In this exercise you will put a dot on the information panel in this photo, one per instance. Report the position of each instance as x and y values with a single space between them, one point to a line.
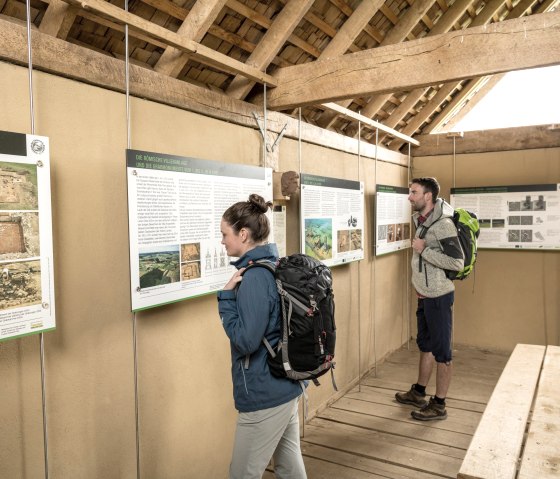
392 219
518 216
332 216
26 249
175 205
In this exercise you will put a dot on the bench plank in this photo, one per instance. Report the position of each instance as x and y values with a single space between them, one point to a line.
541 457
496 444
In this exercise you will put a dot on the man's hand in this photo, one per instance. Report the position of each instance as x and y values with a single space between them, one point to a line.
418 245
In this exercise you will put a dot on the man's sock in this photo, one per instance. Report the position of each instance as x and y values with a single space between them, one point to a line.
420 389
439 401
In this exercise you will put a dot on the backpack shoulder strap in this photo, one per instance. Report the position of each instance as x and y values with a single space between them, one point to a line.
263 263
270 266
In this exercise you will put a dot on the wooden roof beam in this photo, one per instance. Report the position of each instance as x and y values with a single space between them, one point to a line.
501 139
271 43
199 52
527 42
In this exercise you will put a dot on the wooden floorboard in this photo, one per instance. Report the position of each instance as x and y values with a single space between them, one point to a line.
367 434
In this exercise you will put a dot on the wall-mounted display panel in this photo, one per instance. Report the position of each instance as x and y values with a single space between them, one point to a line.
175 205
332 219
392 219
515 216
26 248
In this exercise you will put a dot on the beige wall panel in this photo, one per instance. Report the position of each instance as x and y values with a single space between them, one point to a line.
185 394
21 441
515 297
89 356
15 113
392 279
159 128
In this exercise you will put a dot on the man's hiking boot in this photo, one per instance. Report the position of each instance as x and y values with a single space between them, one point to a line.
431 412
412 397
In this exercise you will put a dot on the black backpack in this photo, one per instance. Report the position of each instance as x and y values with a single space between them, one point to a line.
306 346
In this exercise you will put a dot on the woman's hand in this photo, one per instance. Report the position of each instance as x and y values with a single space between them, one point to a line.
234 280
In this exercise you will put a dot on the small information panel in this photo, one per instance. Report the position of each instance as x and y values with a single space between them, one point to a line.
514 217
332 216
392 219
26 248
175 206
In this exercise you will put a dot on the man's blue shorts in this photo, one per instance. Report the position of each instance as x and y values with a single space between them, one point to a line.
435 323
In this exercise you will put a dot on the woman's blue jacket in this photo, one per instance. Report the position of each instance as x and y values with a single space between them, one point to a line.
249 314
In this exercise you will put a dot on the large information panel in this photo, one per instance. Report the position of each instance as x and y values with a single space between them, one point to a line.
392 219
175 205
332 216
518 216
26 249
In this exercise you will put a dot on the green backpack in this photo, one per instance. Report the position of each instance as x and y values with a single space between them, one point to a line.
468 230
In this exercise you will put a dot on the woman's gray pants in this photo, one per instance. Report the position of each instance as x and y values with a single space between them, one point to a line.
262 435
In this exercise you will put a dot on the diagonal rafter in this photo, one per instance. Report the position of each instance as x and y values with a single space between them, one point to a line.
58 19
195 26
344 39
270 44
466 100
420 118
480 86
445 23
397 34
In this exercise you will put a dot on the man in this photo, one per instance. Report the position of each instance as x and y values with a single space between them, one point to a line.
436 248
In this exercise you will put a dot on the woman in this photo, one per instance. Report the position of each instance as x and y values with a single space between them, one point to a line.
268 424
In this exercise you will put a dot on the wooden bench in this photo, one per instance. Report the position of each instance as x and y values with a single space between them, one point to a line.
541 455
495 448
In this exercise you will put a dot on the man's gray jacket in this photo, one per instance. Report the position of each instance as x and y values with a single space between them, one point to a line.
442 252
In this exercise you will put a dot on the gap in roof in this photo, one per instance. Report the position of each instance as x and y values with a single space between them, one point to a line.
521 98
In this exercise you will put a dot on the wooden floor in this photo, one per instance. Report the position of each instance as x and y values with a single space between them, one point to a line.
367 434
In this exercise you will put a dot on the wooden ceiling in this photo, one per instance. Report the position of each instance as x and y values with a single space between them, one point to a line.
233 47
